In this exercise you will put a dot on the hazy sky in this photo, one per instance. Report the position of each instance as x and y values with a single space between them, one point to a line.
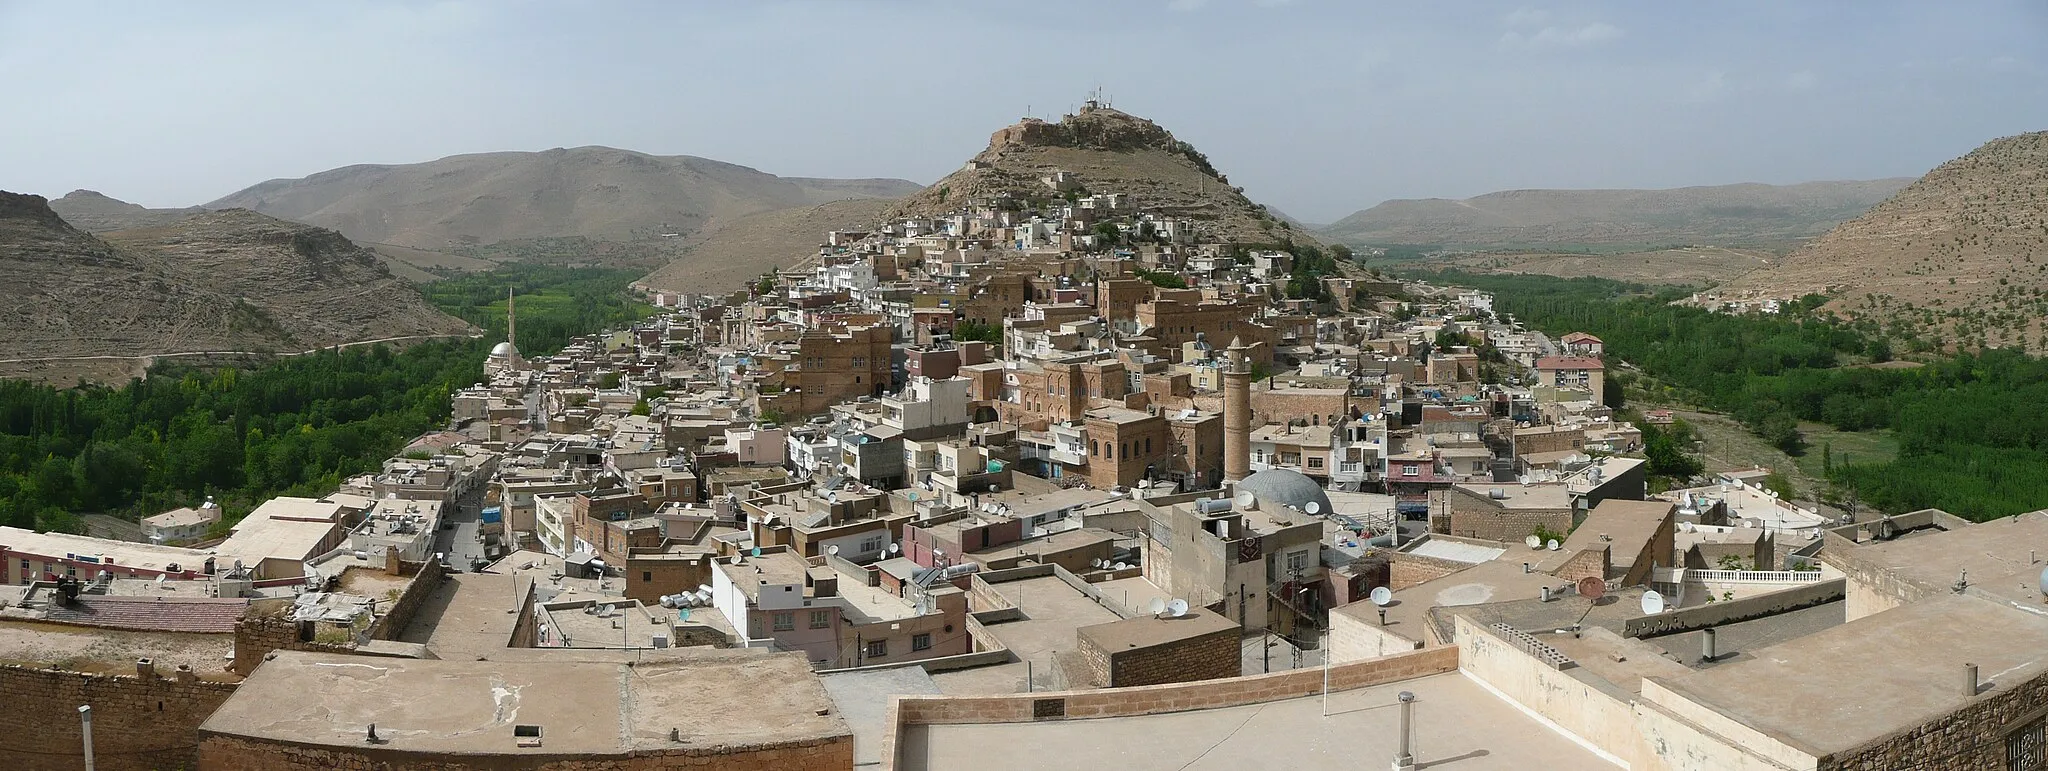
1316 107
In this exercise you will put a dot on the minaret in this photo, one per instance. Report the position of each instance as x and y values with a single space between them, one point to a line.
511 321
1237 414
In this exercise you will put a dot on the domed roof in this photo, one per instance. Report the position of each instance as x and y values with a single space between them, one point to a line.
504 350
1285 487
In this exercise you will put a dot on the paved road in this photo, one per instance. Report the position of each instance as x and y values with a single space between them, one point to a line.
460 542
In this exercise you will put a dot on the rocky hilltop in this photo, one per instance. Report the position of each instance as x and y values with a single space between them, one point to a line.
596 193
1959 255
1722 215
222 281
96 212
1107 151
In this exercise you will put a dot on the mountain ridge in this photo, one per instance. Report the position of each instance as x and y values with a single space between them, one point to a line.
1742 213
594 192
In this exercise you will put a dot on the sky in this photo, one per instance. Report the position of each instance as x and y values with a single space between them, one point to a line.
1317 107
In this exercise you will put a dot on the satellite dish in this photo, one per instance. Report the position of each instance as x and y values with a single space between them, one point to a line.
913 496
893 548
1157 606
1381 597
1246 500
1552 544
1592 588
832 550
1653 603
682 614
2044 581
1312 507
1177 608
1533 542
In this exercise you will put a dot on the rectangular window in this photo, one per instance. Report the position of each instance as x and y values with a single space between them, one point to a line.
785 622
2027 749
1315 462
878 649
1409 470
1297 562
646 575
920 642
821 619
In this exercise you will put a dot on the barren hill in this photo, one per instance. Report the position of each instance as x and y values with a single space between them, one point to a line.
1748 214
732 256
96 212
597 193
214 282
1962 252
1109 151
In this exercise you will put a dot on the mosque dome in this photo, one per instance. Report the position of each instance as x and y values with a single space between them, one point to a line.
1285 487
504 350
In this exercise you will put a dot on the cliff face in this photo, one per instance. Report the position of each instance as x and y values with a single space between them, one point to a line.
1107 151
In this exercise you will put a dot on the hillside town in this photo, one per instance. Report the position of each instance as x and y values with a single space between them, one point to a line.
984 490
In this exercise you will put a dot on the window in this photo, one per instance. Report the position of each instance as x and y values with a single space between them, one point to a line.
1315 462
1297 562
1409 470
821 619
919 642
2027 748
860 361
646 575
1148 445
785 622
878 649
874 542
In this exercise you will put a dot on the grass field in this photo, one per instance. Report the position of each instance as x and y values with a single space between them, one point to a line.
1730 446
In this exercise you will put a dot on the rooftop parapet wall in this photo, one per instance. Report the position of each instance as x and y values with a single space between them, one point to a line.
1157 699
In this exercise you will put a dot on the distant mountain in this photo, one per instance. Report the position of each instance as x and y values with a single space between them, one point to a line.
1964 247
1107 151
216 281
1747 214
596 193
732 256
93 211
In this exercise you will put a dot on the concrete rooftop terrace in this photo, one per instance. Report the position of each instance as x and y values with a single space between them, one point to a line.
1458 726
716 698
1842 687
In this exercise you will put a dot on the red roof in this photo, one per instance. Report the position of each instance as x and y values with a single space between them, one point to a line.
153 614
1569 362
1579 337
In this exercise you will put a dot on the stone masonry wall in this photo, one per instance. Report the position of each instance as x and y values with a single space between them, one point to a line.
1208 657
257 636
1406 570
1972 737
1476 516
138 723
425 577
234 753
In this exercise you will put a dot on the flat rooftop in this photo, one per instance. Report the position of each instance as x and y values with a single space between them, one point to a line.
1993 552
1053 612
110 651
716 698
1487 582
1360 731
1843 687
1145 631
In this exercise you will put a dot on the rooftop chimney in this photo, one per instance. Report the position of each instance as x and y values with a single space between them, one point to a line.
1707 651
1970 684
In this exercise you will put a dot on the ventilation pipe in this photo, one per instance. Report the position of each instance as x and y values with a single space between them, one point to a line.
1969 680
1707 651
